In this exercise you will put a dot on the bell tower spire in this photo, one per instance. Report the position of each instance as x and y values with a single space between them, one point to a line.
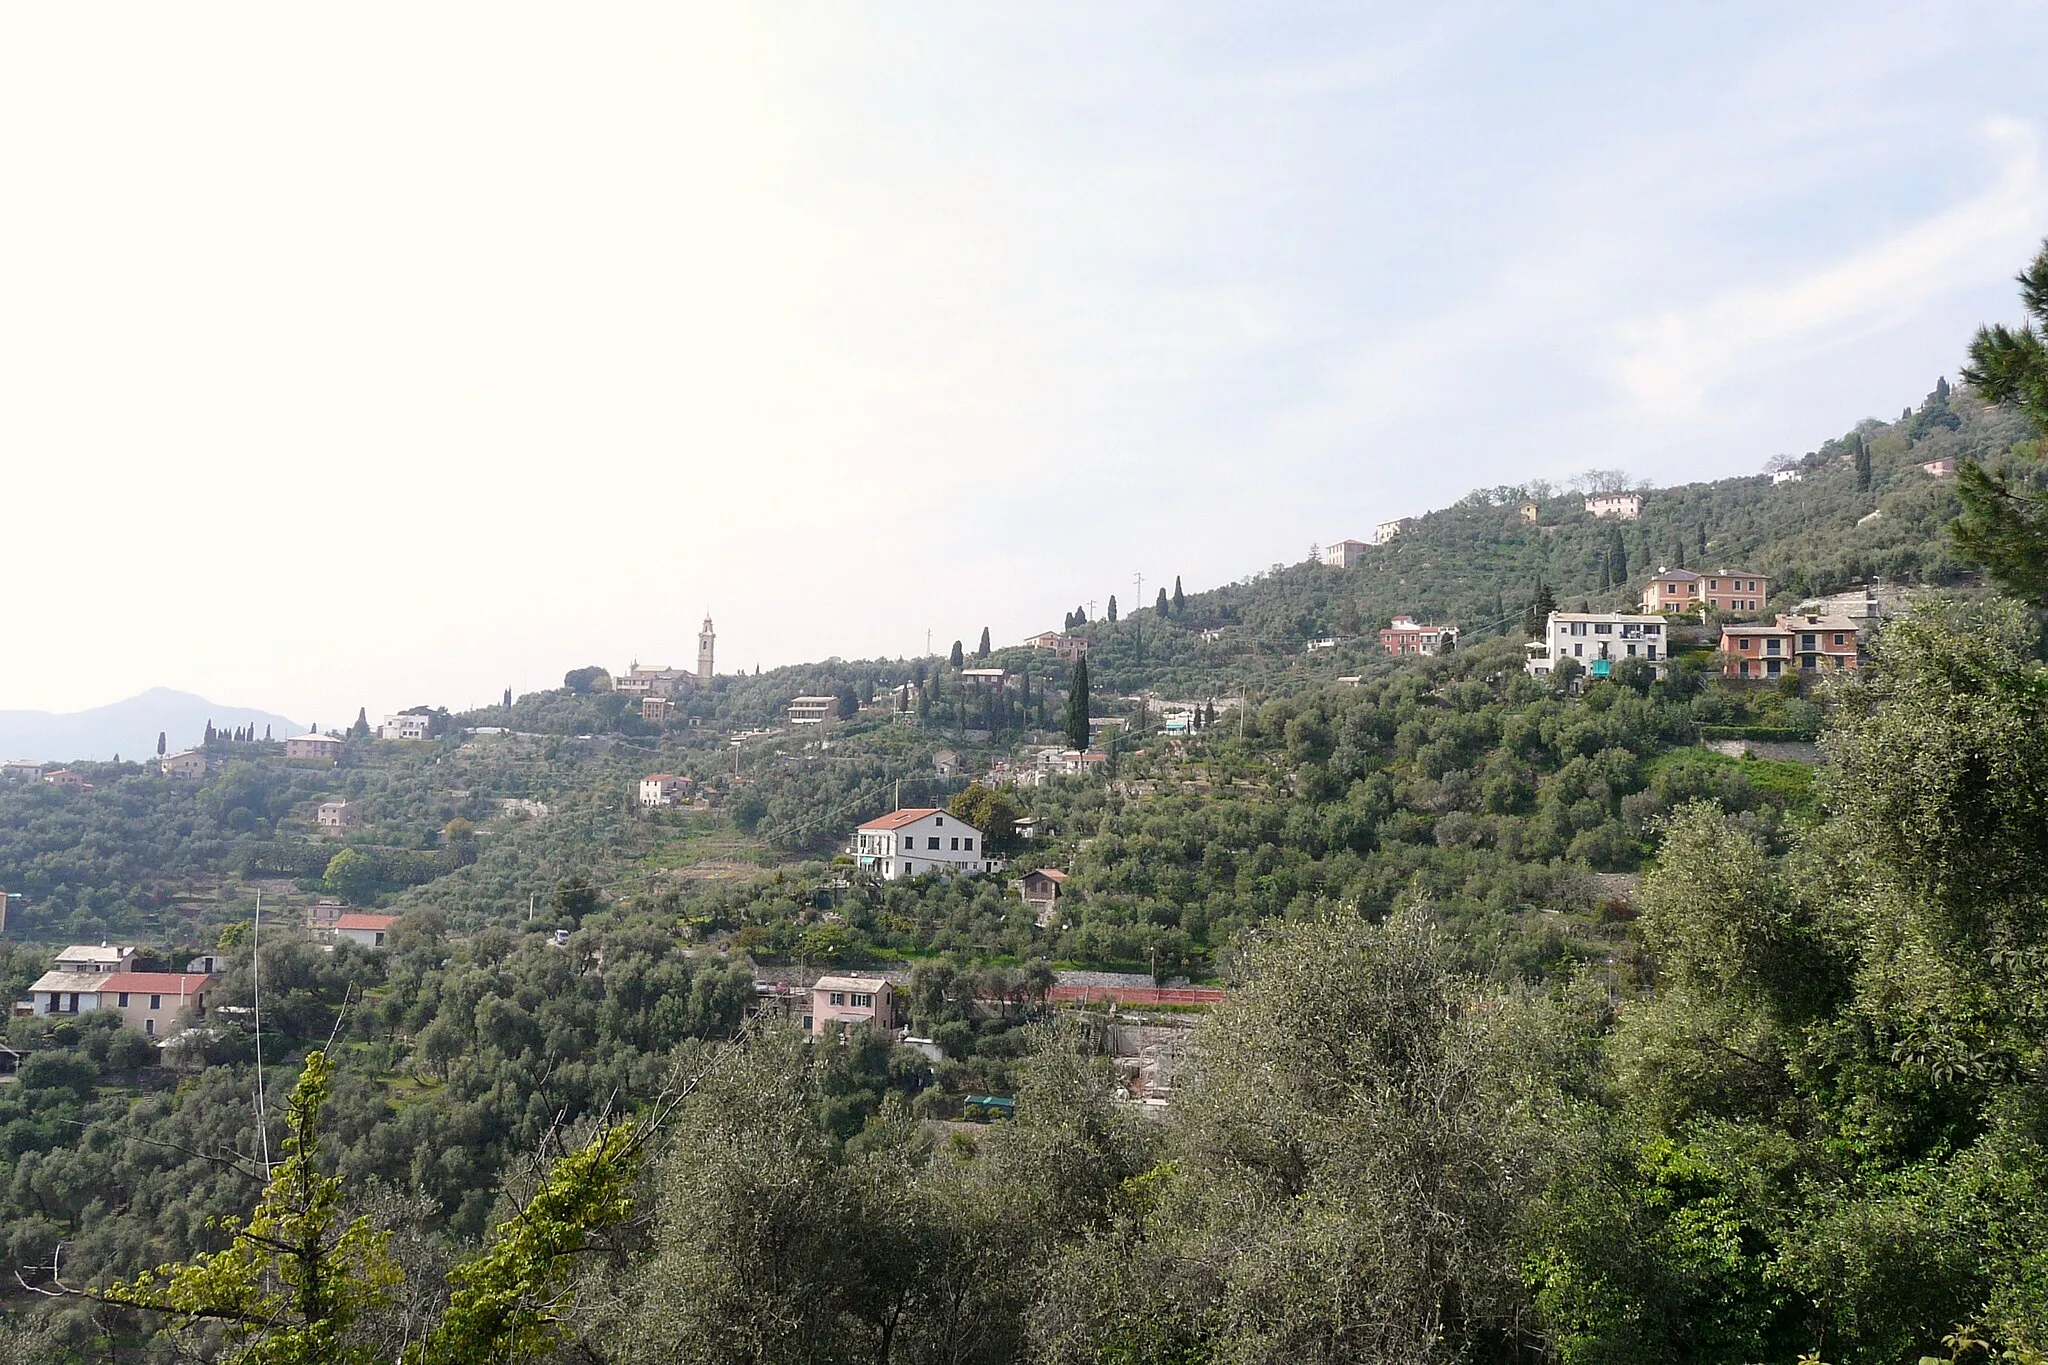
705 639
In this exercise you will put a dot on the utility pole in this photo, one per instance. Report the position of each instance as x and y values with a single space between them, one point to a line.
1091 609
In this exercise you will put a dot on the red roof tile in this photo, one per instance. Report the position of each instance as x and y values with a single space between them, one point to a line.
898 819
156 983
365 921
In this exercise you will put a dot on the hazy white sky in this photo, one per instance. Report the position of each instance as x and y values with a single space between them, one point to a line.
383 354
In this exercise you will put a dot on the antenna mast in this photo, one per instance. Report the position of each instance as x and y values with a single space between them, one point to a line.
256 991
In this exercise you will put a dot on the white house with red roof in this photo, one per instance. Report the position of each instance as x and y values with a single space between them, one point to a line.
372 931
151 1003
921 842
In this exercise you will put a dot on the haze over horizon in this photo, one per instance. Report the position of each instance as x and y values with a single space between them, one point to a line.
393 356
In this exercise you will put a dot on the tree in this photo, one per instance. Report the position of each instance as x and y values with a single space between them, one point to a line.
1077 706
353 876
1617 557
991 810
849 703
361 729
1860 459
1703 543
160 742
2004 525
1179 602
293 1280
1161 607
1110 615
583 681
958 658
209 732
574 896
981 651
1541 604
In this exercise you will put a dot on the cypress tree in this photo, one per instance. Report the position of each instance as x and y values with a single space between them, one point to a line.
1703 543
160 744
982 651
1617 556
959 656
1179 601
1162 607
1112 609
1077 706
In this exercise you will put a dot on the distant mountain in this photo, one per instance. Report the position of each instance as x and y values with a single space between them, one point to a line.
128 728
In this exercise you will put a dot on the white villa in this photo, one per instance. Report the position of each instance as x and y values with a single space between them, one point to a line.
917 843
1598 640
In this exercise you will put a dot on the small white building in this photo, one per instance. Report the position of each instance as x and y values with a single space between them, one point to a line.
405 727
323 748
1345 554
1624 506
336 816
1598 640
84 957
1779 476
658 790
813 710
1387 530
919 842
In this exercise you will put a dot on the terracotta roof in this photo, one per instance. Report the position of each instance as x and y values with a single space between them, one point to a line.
898 819
1053 873
850 983
661 777
365 921
164 983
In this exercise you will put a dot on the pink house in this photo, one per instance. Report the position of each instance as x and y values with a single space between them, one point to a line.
847 1001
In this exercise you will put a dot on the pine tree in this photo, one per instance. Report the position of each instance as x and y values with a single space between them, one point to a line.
958 658
2004 525
1179 602
1112 609
982 651
1162 606
1077 706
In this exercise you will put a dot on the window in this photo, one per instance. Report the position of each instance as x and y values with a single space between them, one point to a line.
968 843
1838 639
1653 630
1631 651
940 821
156 1002
1651 651
1602 628
864 1002
1806 641
1578 651
1771 646
1747 643
1745 668
956 845
1714 583
934 842
124 1000
839 997
149 1027
1772 668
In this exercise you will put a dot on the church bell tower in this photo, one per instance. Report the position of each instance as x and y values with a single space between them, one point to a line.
705 638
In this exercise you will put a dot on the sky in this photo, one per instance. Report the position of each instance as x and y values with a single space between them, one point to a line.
378 355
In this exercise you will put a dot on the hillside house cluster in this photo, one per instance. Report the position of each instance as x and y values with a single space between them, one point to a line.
1598 640
86 979
1724 590
1068 647
1805 643
1036 766
662 684
1407 636
919 842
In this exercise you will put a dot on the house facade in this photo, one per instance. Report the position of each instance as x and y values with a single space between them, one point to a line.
662 789
151 1003
813 710
1802 643
1598 641
1387 530
845 1002
1623 506
1941 468
188 765
661 682
1345 554
322 748
336 816
917 843
1041 891
405 727
107 957
371 931
64 777
1406 636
